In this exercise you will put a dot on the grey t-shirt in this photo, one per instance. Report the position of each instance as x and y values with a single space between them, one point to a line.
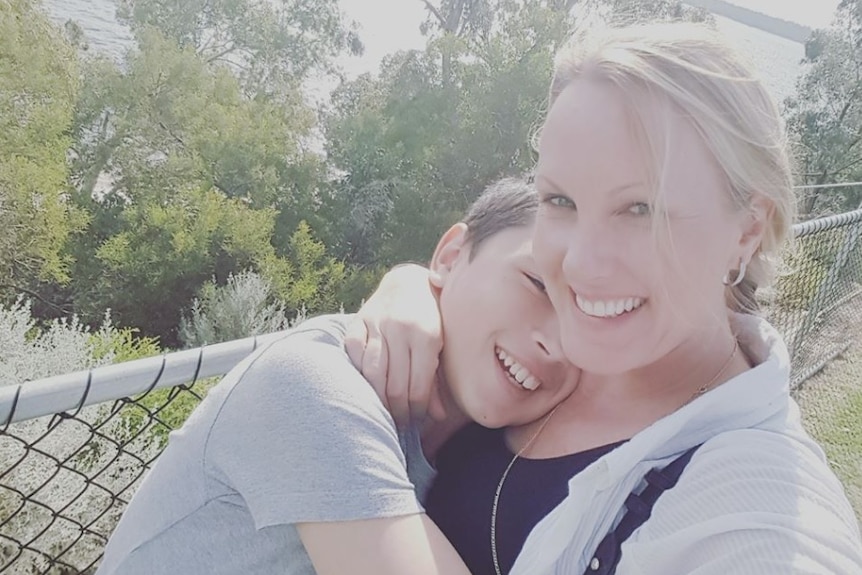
292 434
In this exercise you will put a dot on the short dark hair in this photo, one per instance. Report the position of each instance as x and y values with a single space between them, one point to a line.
507 203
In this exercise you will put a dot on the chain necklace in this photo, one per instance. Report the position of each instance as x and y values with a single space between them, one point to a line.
500 488
708 385
698 392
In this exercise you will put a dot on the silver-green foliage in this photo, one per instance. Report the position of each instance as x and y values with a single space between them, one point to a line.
244 306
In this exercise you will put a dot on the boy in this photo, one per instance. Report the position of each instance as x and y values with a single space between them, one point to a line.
293 465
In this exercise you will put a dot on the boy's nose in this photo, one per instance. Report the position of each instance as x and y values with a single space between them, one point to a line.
547 338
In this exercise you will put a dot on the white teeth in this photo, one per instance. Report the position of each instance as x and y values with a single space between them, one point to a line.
611 308
518 372
531 383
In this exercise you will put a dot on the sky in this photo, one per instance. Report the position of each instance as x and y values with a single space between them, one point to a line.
390 25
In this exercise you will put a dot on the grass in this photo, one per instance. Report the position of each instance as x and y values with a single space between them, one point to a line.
831 404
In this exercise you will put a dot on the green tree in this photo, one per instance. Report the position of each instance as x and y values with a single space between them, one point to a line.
825 116
186 168
270 44
38 90
416 144
317 278
171 119
154 267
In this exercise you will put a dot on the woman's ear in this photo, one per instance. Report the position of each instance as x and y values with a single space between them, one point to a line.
450 248
755 224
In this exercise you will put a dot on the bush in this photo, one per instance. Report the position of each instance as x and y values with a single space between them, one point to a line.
31 352
243 307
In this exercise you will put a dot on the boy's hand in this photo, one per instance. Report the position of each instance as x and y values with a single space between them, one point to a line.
396 341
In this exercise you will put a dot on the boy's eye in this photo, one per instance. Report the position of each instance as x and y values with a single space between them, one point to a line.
639 209
536 282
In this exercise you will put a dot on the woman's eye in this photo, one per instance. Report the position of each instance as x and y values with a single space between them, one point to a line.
559 201
536 282
639 209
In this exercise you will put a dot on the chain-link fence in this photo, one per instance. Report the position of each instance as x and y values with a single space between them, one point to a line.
816 301
73 448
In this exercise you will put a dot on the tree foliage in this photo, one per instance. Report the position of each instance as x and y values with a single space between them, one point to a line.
38 90
186 164
140 186
270 44
241 307
417 143
825 115
166 251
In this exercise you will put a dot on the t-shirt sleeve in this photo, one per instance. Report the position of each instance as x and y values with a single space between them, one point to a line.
303 438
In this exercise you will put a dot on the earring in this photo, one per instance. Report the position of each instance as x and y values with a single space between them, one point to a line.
740 275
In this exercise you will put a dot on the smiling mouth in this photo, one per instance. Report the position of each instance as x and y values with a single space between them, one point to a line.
519 374
608 308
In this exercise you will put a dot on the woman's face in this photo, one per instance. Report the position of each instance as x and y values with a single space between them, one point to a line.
625 295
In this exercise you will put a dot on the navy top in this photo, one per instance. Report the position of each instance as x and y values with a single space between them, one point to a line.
469 469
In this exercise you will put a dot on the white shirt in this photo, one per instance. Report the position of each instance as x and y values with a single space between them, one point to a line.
757 498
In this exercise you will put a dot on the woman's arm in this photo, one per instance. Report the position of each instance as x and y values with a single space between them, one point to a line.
392 546
396 342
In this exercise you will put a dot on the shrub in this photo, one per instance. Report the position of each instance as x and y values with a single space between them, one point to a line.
244 306
31 352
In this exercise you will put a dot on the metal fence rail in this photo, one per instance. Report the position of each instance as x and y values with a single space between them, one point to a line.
73 448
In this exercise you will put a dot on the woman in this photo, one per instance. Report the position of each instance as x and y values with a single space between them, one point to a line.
665 192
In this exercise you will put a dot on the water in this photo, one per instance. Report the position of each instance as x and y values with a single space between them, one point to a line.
776 59
98 21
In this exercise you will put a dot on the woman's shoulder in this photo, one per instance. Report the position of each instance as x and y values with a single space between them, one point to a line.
744 478
770 469
769 493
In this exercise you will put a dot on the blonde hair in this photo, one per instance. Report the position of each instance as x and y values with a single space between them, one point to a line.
690 67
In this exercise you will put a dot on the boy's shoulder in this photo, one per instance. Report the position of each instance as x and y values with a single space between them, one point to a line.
302 369
315 341
306 371
329 329
308 354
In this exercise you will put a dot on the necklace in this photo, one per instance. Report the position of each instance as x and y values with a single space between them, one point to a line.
698 392
500 488
708 385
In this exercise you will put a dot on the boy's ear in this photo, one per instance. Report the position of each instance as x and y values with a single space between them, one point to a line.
451 246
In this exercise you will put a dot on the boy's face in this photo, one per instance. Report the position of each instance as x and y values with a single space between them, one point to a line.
501 355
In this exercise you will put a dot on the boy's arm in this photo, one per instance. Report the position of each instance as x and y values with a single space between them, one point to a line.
391 546
305 442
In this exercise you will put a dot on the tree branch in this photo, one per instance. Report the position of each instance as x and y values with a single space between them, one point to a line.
846 166
171 134
31 293
431 8
221 54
